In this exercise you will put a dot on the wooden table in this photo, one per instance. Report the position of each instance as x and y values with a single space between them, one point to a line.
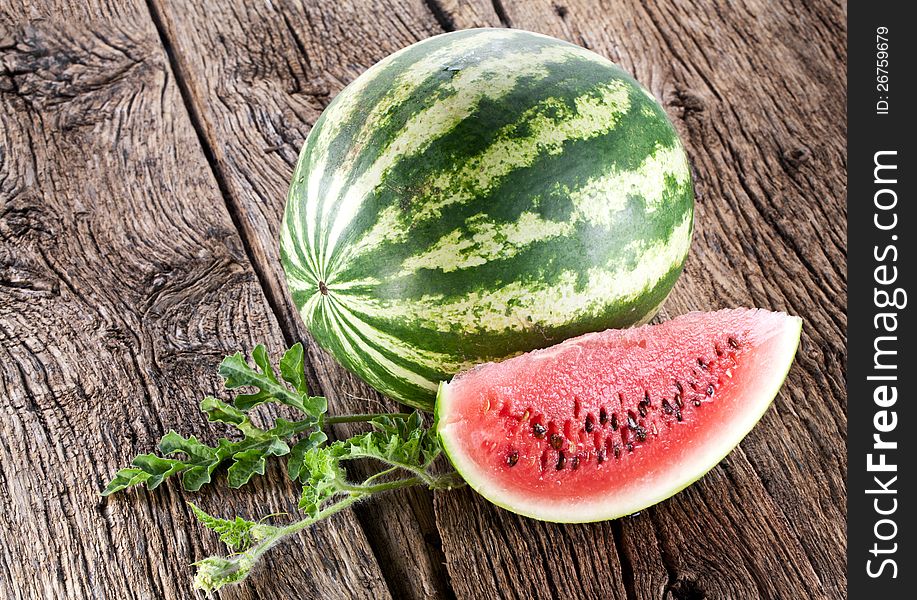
145 152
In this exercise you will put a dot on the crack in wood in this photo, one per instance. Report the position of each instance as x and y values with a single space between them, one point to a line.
627 566
441 15
502 15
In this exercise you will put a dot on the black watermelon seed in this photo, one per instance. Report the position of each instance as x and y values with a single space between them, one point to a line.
641 433
666 406
614 421
710 390
538 430
679 401
557 442
642 410
697 403
701 364
512 458
574 462
603 416
600 456
678 414
678 387
646 397
732 342
561 461
590 425
718 350
617 450
631 419
630 447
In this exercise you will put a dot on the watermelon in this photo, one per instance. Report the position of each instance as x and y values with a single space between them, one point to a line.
606 424
477 195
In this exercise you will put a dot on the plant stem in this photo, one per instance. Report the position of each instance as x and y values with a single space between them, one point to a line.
380 487
448 481
355 493
322 514
363 417
282 532
380 474
213 573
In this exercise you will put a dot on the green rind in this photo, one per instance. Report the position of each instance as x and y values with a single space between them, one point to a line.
478 481
552 123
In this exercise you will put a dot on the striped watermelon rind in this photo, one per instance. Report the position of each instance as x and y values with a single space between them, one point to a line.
480 194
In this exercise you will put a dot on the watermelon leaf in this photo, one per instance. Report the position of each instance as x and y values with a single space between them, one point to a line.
246 457
292 369
401 442
237 373
237 534
297 453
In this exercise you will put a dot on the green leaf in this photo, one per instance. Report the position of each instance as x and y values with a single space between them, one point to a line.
322 476
197 477
293 369
246 457
397 441
315 405
125 478
259 354
285 429
200 462
238 373
245 465
238 534
173 442
157 468
235 371
218 411
295 462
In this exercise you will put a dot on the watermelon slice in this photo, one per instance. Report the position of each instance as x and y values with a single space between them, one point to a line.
608 423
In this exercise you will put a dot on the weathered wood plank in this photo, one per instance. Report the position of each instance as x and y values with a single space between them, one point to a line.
257 78
757 92
123 282
523 558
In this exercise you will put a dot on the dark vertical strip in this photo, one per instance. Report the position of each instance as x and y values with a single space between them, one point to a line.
442 17
627 567
880 203
501 13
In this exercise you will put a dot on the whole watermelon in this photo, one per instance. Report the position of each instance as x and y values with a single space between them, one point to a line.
480 194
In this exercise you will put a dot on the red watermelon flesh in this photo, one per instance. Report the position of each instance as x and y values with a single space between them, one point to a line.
606 424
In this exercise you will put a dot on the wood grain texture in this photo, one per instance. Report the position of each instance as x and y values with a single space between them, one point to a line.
99 159
123 282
